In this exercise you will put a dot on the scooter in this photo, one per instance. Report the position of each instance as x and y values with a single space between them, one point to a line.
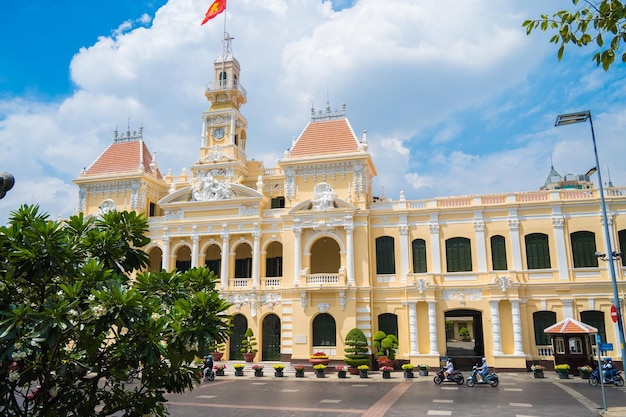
208 376
455 376
594 378
491 378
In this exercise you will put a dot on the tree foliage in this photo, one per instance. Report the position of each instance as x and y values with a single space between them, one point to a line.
357 348
594 22
73 322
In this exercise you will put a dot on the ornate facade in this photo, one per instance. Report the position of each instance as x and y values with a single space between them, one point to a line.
305 251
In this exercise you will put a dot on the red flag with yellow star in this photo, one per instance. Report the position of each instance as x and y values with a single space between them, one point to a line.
217 7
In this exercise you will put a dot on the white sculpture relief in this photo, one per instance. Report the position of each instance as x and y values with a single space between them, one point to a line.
323 197
504 282
461 294
105 207
173 215
208 189
323 307
216 155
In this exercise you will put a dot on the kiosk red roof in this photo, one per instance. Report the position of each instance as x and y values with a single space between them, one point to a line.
570 326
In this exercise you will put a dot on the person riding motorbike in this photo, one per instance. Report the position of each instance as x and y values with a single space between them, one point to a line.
208 365
448 369
483 371
608 370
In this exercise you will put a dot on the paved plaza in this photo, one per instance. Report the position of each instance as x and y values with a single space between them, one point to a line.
518 395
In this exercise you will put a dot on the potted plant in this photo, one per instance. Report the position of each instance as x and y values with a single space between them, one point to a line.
219 369
278 369
537 370
423 369
217 350
248 346
258 369
363 370
356 350
299 371
386 345
562 370
585 371
408 368
386 371
239 369
341 371
320 369
319 357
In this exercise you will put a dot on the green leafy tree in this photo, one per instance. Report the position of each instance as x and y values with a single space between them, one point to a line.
357 348
602 23
74 323
385 344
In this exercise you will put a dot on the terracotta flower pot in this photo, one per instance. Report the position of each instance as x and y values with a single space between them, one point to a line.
249 357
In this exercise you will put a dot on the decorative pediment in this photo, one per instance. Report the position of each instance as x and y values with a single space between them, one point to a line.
211 193
324 199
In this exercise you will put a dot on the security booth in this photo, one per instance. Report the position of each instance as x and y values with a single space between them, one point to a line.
571 343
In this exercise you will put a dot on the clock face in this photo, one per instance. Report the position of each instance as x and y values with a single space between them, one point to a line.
218 133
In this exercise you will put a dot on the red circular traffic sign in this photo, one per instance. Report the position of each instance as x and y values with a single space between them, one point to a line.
614 314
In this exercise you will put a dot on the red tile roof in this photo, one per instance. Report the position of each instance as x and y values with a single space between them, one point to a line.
124 157
570 326
326 137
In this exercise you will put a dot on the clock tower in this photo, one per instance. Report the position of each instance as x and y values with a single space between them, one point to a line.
223 150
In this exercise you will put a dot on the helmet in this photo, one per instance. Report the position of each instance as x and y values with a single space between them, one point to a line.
484 360
208 357
607 359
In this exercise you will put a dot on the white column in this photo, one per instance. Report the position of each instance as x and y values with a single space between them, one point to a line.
404 252
297 255
432 327
495 327
516 249
166 251
194 247
413 331
224 269
559 236
479 230
434 246
517 328
350 255
256 260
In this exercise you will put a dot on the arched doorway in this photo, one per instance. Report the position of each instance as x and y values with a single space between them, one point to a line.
240 325
183 259
464 337
270 348
325 256
156 260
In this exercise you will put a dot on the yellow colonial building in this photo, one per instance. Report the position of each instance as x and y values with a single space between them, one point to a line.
306 252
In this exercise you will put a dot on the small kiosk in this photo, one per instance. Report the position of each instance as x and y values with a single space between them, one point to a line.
571 343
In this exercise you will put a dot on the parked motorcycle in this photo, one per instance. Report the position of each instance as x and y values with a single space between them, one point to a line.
455 376
491 378
594 378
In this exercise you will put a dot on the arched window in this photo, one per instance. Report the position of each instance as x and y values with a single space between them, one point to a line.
223 79
385 256
183 259
274 260
537 251
388 323
541 321
584 249
324 330
596 319
621 238
213 259
458 254
418 247
243 261
498 253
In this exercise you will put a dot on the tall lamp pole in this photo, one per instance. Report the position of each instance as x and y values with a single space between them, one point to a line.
581 117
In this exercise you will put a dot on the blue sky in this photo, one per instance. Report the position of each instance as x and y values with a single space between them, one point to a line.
455 98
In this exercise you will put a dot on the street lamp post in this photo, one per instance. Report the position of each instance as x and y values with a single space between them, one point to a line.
581 117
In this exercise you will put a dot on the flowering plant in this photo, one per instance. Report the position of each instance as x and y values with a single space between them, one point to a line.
340 368
220 367
239 366
363 368
319 355
563 367
386 368
423 367
298 367
408 367
319 367
278 366
537 368
584 368
257 367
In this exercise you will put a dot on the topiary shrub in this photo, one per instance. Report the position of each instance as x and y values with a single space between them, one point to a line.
356 348
385 344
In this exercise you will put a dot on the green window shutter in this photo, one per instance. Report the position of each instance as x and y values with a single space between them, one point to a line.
458 254
385 255
537 251
419 256
498 253
584 249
